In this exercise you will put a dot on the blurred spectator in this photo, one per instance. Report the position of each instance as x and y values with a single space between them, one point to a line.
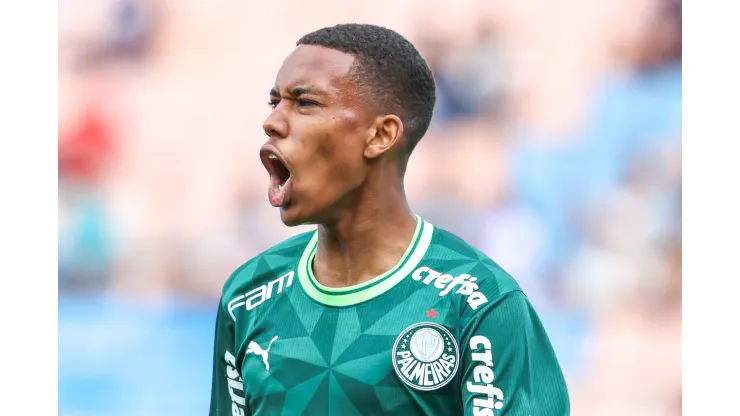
130 31
84 151
471 77
84 246
621 253
635 356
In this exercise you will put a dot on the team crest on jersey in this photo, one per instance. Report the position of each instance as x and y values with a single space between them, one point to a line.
425 356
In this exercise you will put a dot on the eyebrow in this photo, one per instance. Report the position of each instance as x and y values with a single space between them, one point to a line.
297 91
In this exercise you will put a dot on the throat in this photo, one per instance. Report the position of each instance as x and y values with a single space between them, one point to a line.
369 252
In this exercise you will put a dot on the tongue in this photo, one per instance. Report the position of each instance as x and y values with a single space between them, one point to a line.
278 194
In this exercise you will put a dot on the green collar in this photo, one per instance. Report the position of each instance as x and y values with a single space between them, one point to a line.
352 295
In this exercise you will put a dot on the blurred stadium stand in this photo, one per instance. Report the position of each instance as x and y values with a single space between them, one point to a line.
559 122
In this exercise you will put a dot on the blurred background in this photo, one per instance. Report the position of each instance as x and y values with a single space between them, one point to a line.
555 148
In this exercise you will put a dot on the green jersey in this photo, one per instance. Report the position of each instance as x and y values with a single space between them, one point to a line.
446 331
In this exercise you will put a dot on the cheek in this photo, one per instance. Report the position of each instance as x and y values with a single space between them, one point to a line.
333 165
332 158
342 153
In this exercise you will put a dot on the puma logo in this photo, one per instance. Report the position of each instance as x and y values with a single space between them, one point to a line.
254 348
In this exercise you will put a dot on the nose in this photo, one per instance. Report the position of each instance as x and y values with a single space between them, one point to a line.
276 125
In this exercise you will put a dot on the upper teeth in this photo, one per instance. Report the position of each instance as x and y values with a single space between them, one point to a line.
273 157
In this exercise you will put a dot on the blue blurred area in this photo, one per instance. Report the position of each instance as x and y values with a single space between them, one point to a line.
628 117
121 357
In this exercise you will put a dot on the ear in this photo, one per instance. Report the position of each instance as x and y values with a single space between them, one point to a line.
386 132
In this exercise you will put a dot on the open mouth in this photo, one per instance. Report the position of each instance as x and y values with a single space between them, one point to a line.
278 191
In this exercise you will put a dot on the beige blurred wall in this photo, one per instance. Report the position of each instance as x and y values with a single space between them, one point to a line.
189 120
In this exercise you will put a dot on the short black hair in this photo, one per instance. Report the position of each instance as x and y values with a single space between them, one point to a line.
390 68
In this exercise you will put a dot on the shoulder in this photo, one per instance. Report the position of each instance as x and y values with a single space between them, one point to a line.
456 267
281 257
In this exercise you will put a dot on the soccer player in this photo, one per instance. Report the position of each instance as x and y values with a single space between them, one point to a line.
377 311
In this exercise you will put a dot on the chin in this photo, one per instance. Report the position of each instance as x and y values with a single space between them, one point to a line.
292 217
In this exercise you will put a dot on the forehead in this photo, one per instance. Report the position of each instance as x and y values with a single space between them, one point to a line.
316 67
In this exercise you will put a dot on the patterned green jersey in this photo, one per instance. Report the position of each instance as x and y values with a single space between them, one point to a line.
445 332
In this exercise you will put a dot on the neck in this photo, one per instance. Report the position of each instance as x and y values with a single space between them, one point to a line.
367 239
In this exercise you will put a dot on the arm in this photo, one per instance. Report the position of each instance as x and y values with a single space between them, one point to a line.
508 365
227 388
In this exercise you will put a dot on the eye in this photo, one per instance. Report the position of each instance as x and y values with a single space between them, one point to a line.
273 103
305 103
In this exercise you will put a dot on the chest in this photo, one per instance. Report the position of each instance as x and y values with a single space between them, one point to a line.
375 358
